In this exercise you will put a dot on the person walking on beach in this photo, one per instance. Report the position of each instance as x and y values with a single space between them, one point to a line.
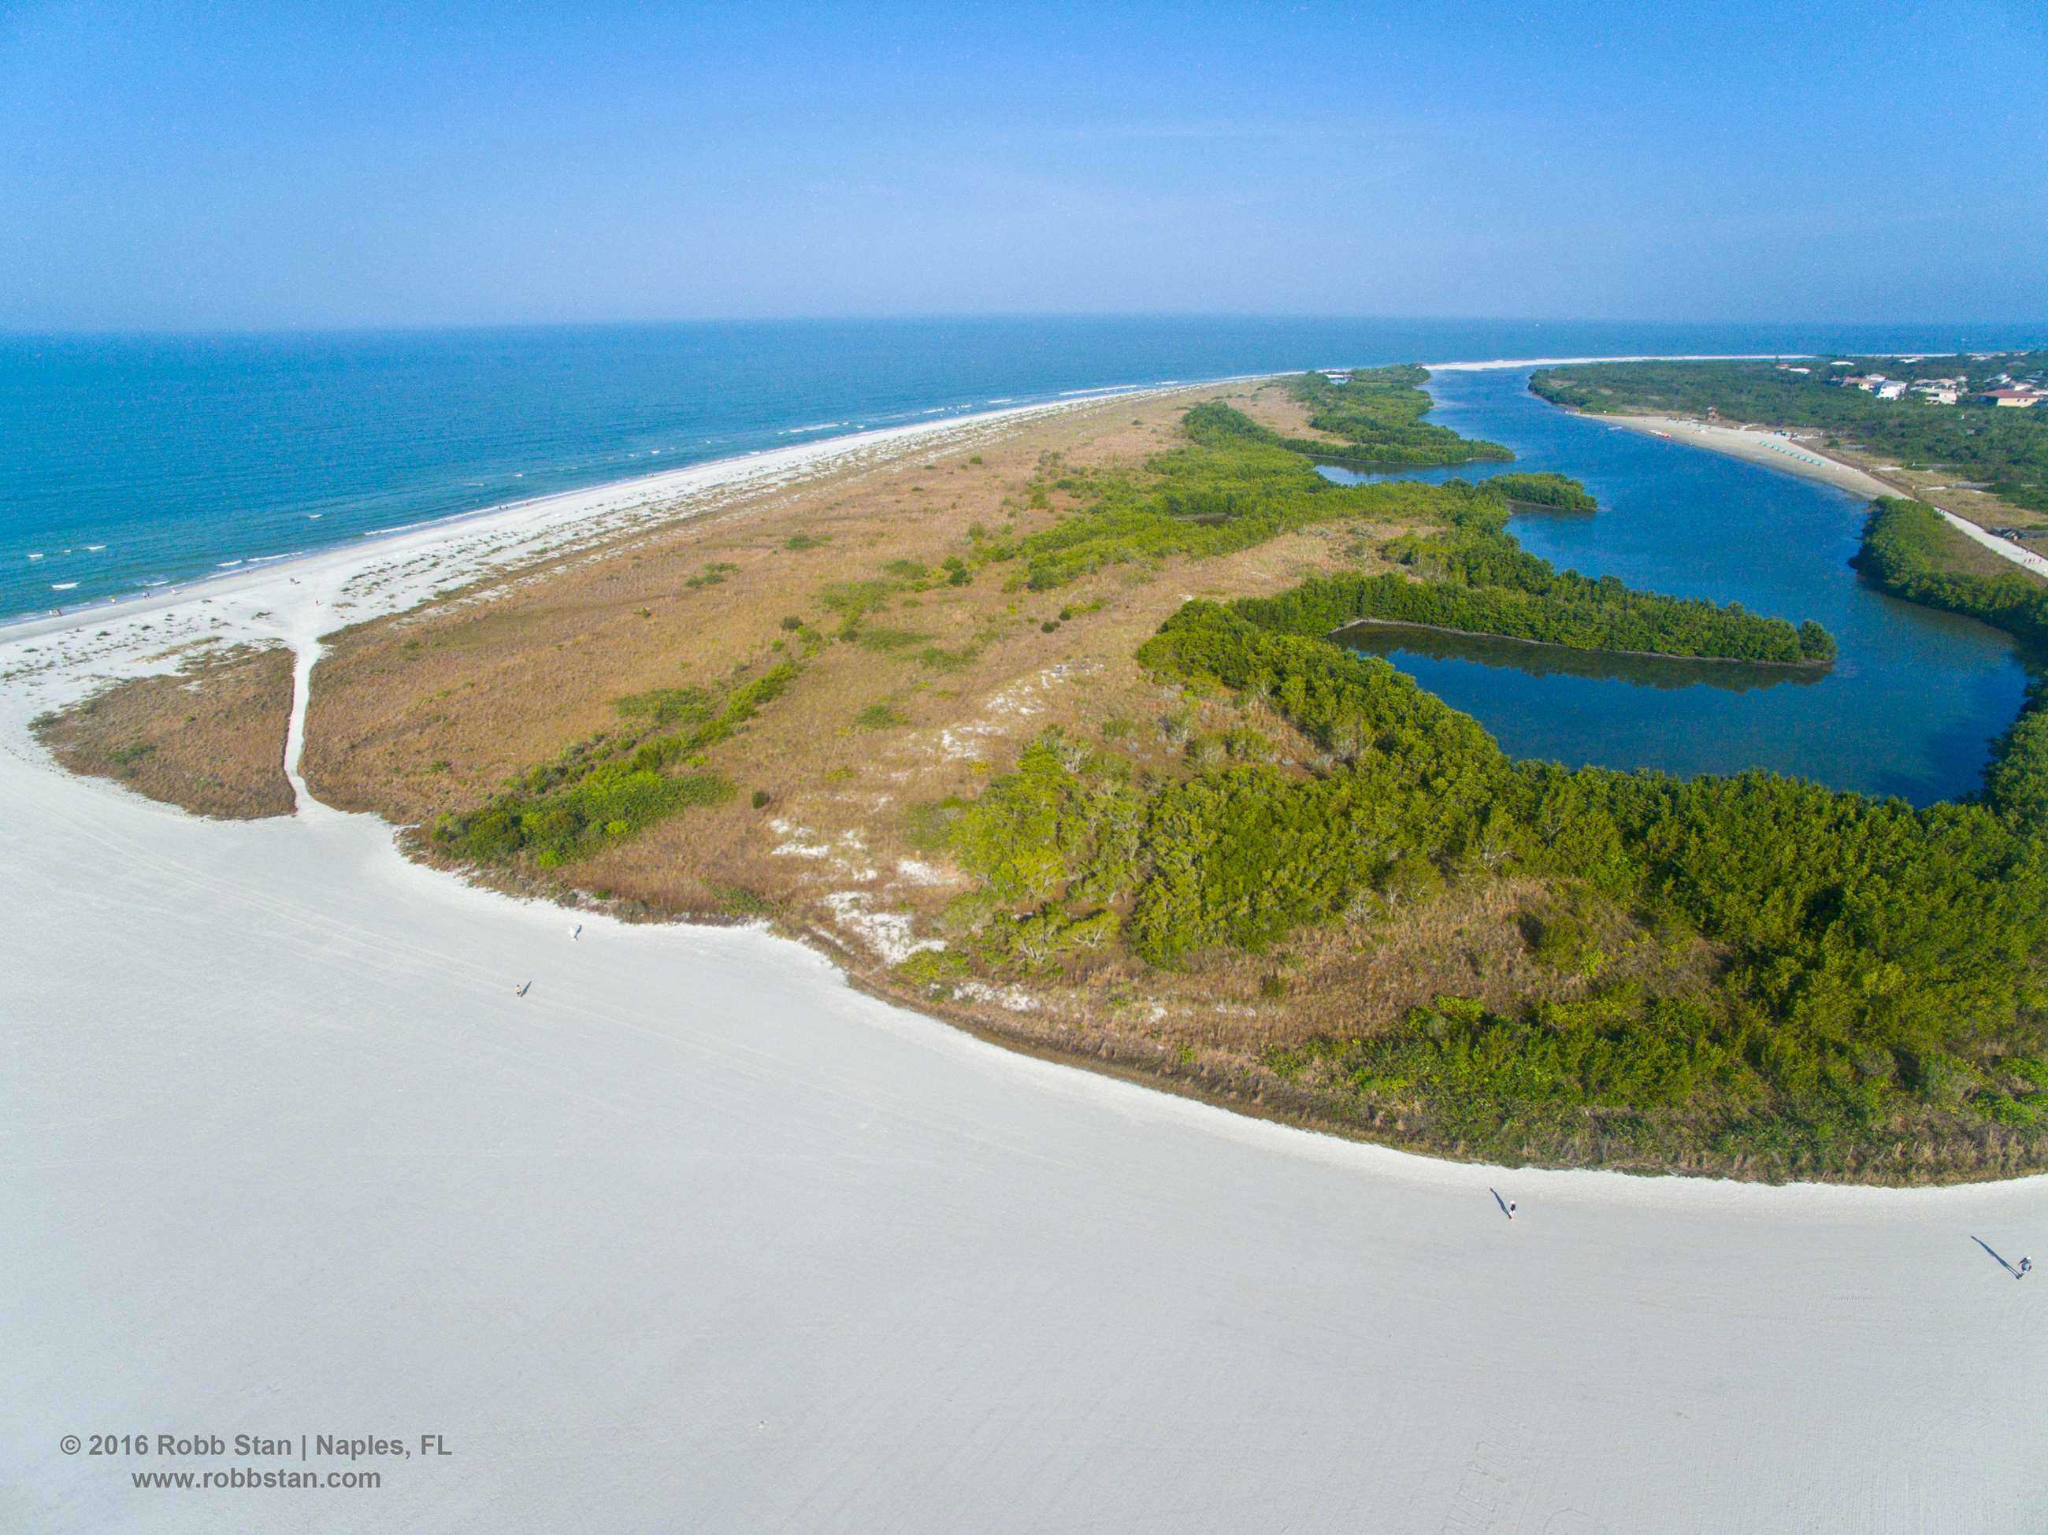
520 990
576 933
2026 1267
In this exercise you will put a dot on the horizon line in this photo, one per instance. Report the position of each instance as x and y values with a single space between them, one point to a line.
417 327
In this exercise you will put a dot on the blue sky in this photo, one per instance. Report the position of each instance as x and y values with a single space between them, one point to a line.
170 166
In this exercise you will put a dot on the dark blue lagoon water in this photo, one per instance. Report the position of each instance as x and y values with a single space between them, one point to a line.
1910 708
127 461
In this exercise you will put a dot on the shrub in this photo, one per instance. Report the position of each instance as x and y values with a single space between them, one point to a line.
880 716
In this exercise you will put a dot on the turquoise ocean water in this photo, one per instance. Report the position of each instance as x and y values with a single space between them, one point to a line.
131 460
127 462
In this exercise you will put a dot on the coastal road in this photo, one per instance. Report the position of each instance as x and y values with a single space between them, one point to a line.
694 1237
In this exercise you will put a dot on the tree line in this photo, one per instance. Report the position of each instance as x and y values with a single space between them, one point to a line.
1907 549
1484 583
1375 417
1879 962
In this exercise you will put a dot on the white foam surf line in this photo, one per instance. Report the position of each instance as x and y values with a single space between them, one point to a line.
312 613
293 602
569 506
1493 363
226 577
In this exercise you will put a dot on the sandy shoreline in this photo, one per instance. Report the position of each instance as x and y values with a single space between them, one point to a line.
1757 445
1494 364
295 603
696 1235
787 1235
642 492
1775 448
563 509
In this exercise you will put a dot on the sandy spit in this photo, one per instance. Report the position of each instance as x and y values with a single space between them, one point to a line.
1795 454
694 1236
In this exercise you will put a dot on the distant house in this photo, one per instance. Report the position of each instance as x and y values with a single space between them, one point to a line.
2013 399
1937 393
1890 391
1867 382
1786 367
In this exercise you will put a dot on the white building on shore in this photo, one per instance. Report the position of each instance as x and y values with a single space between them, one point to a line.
2018 397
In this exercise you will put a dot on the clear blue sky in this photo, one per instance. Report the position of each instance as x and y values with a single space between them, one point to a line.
175 166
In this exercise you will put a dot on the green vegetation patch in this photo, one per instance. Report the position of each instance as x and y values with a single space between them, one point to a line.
888 640
1478 1072
613 787
880 716
1877 963
1378 413
1484 583
1236 483
1209 499
1550 490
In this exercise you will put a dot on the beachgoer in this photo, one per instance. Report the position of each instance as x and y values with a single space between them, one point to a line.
2026 1266
520 991
578 933
1512 1207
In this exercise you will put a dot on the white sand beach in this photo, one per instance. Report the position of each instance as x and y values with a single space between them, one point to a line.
693 1236
1758 445
1798 455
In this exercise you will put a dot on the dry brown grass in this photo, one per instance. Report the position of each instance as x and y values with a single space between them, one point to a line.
209 736
1276 406
1965 556
1939 486
433 711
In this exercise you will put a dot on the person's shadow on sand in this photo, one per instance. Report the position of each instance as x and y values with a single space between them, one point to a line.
2001 1262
